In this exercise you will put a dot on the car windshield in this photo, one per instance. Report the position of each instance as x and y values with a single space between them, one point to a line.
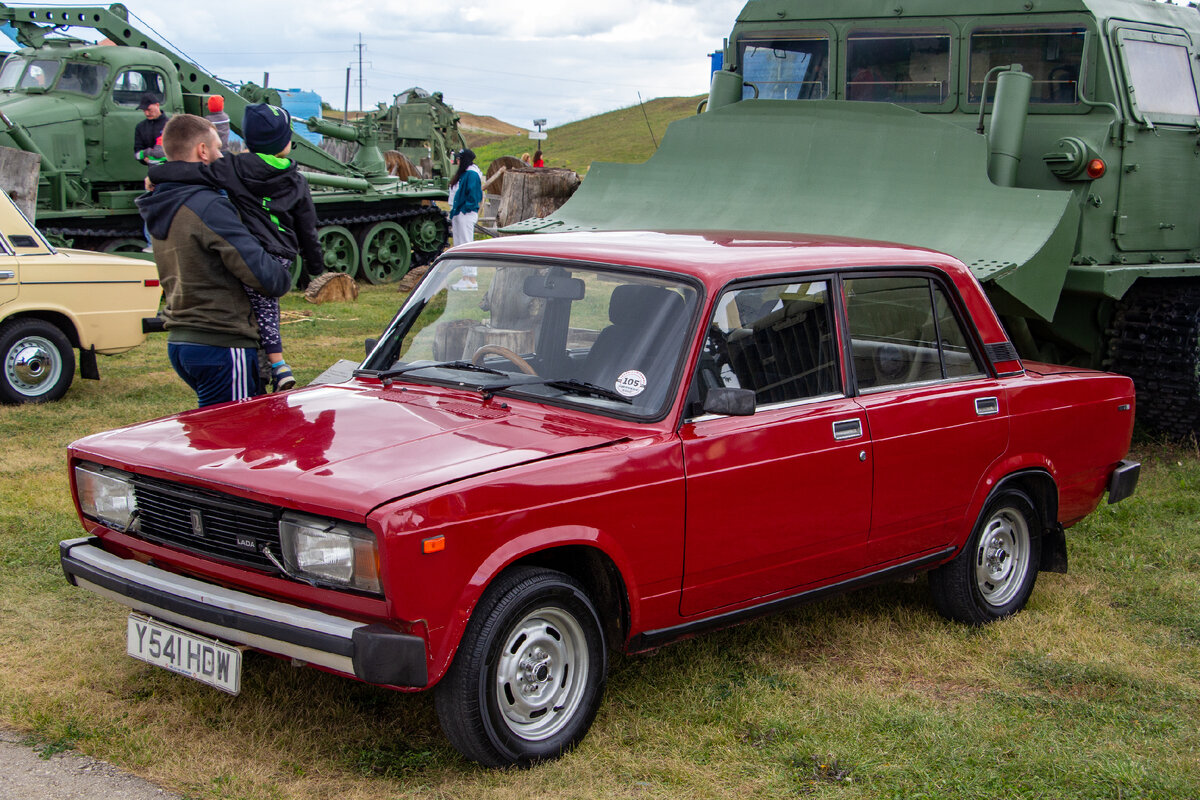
604 339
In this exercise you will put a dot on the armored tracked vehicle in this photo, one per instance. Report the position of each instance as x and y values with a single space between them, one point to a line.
75 104
1052 145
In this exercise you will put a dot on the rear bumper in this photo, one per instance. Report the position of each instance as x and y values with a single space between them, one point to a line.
371 652
1123 481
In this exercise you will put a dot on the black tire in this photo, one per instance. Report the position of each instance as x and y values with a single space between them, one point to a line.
37 363
529 672
993 576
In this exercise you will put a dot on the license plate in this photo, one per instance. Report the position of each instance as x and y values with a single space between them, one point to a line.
198 657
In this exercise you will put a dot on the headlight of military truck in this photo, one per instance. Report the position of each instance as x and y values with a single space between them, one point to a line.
330 551
105 495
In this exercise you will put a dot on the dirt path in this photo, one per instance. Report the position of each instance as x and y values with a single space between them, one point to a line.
66 776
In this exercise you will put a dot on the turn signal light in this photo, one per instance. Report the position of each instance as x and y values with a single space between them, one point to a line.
1096 168
151 282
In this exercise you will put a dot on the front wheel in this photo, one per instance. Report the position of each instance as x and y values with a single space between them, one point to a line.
39 363
994 574
529 672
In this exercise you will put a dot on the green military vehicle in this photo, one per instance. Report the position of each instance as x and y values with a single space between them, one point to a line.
75 104
1079 208
421 125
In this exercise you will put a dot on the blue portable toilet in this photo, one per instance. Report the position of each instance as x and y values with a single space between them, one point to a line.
302 104
717 59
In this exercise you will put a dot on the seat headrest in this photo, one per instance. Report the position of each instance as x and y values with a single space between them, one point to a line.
632 303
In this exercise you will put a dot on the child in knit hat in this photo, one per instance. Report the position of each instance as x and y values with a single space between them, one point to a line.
274 200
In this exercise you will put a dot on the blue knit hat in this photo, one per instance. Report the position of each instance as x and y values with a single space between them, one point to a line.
266 128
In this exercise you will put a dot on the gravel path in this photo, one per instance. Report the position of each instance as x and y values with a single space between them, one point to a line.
24 775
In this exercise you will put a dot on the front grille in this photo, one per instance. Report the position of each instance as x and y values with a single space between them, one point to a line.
225 527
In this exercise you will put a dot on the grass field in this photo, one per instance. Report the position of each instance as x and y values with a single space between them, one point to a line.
1093 692
626 136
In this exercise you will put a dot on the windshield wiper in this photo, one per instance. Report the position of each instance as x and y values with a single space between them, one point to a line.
466 366
571 385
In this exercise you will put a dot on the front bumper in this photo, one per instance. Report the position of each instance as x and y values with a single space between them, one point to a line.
371 652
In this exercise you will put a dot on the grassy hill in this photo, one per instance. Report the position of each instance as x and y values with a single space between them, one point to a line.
621 136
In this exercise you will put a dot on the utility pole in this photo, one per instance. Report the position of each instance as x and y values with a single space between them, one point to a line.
346 106
360 73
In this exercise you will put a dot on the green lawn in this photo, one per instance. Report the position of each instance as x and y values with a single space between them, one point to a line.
1093 692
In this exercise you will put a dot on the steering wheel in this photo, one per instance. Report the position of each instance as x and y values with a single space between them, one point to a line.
504 352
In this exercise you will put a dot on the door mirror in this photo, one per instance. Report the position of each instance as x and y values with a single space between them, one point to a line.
730 402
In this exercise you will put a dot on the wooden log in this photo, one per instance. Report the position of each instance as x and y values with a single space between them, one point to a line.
399 166
19 177
501 164
534 192
331 287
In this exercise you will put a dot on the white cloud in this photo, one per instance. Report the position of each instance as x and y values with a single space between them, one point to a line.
514 60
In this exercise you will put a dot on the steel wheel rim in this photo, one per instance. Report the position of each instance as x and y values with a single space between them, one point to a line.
1002 557
386 253
541 673
339 249
426 233
33 366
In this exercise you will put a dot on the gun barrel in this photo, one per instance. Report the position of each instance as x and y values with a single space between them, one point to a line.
334 130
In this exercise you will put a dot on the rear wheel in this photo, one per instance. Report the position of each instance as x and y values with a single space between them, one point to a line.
529 672
994 574
38 361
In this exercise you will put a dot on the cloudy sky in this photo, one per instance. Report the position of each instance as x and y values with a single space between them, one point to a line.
561 60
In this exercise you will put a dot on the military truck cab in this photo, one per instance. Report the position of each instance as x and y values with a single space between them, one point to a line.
1052 145
68 92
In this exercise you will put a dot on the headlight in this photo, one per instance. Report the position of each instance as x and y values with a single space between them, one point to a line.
105 495
330 551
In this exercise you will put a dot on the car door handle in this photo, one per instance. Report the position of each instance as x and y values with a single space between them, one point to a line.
847 429
7 274
987 406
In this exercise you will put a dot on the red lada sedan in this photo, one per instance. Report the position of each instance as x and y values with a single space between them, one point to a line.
569 443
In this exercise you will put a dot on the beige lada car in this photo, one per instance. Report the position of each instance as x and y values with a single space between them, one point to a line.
54 301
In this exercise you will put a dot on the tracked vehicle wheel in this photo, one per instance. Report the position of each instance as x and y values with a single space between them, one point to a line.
340 248
429 232
1155 339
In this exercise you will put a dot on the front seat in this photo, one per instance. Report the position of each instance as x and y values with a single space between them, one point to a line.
644 319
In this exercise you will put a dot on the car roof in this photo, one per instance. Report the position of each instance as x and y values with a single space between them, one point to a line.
714 257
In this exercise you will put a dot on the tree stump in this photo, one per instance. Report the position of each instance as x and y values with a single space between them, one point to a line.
19 177
534 192
331 287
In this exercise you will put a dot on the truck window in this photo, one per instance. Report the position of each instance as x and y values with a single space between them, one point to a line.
11 73
1161 75
898 66
131 84
1051 55
40 75
86 79
792 68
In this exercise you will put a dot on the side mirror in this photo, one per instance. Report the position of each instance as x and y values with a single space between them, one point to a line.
730 402
370 344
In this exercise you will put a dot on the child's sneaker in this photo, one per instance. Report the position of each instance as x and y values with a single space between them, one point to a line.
281 377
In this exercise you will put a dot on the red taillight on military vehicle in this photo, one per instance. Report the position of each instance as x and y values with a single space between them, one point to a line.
1096 168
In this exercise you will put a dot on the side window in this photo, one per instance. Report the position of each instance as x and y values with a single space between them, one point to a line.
131 84
1052 56
1160 74
87 79
775 340
792 68
898 66
904 330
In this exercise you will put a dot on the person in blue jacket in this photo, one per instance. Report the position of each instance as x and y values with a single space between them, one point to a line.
466 195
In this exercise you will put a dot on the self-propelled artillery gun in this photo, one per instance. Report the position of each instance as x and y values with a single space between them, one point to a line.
1052 145
74 103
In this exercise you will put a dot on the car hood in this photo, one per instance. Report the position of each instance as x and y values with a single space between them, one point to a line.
346 448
